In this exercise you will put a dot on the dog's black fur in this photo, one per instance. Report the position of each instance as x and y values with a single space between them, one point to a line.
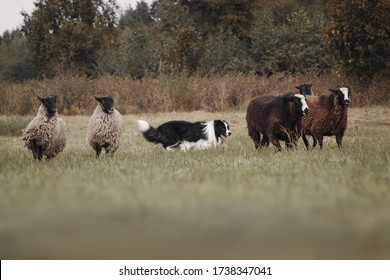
186 135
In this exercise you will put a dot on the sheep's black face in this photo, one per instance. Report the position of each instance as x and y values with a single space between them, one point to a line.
50 104
343 95
106 103
221 129
300 103
305 89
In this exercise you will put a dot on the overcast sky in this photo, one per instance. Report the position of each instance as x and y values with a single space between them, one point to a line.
10 17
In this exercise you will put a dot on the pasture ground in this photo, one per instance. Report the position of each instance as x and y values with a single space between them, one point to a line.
232 202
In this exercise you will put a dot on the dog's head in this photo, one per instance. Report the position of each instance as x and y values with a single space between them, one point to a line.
222 131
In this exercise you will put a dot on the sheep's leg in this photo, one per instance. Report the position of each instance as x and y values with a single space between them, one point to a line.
320 140
339 137
98 151
305 141
39 153
276 143
255 135
34 150
314 142
294 138
264 141
289 145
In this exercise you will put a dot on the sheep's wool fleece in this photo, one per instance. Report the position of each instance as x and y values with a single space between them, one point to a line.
105 129
48 133
326 116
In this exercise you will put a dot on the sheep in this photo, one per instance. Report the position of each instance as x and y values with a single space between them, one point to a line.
45 135
105 127
328 117
305 89
276 118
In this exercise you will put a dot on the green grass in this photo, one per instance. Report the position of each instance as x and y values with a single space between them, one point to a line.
232 202
13 125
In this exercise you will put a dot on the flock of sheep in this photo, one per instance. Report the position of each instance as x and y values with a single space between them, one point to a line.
287 117
270 119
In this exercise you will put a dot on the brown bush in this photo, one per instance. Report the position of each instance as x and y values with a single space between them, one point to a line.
218 93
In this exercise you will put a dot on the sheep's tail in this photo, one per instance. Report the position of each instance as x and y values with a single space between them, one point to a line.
150 133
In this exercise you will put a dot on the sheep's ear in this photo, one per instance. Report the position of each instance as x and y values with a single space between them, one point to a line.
54 97
98 99
333 90
40 98
297 87
349 90
310 85
291 98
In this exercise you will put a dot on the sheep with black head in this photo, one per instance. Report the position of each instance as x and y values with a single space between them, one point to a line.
45 135
305 89
105 127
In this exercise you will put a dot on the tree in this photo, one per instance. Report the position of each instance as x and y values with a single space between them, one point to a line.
69 32
16 63
136 18
136 53
357 32
210 16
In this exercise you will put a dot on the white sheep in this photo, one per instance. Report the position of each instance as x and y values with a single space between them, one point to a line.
105 127
45 135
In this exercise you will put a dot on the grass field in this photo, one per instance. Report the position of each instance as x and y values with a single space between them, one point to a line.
232 202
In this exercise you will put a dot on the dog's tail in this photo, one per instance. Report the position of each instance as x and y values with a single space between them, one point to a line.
150 133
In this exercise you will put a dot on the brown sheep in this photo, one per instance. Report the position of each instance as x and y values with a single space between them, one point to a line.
328 116
276 118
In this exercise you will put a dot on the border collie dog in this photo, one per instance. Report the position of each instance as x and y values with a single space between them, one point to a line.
186 135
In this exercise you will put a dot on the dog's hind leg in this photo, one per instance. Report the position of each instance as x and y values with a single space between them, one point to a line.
172 147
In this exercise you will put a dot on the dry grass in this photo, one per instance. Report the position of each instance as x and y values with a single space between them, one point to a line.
183 94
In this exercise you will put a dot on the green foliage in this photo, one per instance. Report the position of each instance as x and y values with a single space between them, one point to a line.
136 18
136 52
210 16
226 53
16 62
69 32
358 33
292 47
182 37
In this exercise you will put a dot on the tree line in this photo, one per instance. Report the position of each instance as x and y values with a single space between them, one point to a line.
199 37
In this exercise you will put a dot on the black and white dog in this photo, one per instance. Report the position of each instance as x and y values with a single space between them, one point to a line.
186 135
